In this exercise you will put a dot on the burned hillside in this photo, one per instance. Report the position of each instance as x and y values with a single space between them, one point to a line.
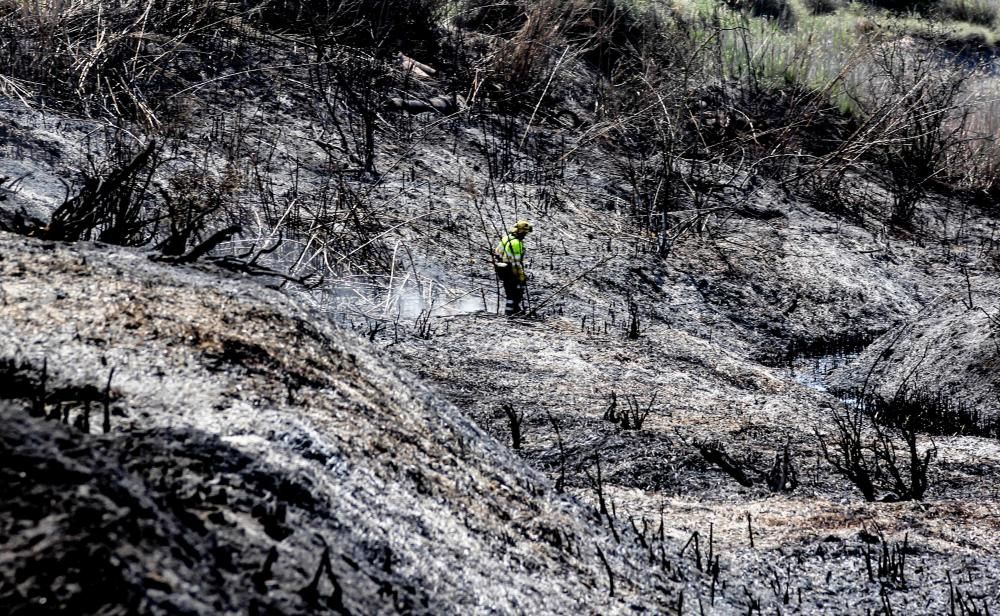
254 357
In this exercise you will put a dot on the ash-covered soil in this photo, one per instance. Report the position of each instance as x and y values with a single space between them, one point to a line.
717 320
950 349
811 542
260 461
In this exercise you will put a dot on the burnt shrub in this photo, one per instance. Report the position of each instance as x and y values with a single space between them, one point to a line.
781 11
114 203
406 25
124 60
933 412
877 456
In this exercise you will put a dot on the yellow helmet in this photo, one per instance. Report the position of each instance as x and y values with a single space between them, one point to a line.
522 226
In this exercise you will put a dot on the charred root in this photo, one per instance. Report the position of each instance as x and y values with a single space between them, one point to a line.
311 593
515 420
715 453
631 418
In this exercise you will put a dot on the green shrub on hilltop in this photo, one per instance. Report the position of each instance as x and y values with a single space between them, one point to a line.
980 12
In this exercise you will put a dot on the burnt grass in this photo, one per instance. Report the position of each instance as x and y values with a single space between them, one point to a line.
937 412
295 473
140 516
213 432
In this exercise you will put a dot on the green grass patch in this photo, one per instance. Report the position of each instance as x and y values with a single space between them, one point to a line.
978 12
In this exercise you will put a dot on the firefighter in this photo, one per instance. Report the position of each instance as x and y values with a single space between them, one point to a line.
508 259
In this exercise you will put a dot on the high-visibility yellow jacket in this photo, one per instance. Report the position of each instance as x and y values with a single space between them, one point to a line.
510 251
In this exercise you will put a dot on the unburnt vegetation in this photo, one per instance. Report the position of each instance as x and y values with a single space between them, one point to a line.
721 192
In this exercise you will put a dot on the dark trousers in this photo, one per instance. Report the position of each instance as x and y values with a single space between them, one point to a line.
513 289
